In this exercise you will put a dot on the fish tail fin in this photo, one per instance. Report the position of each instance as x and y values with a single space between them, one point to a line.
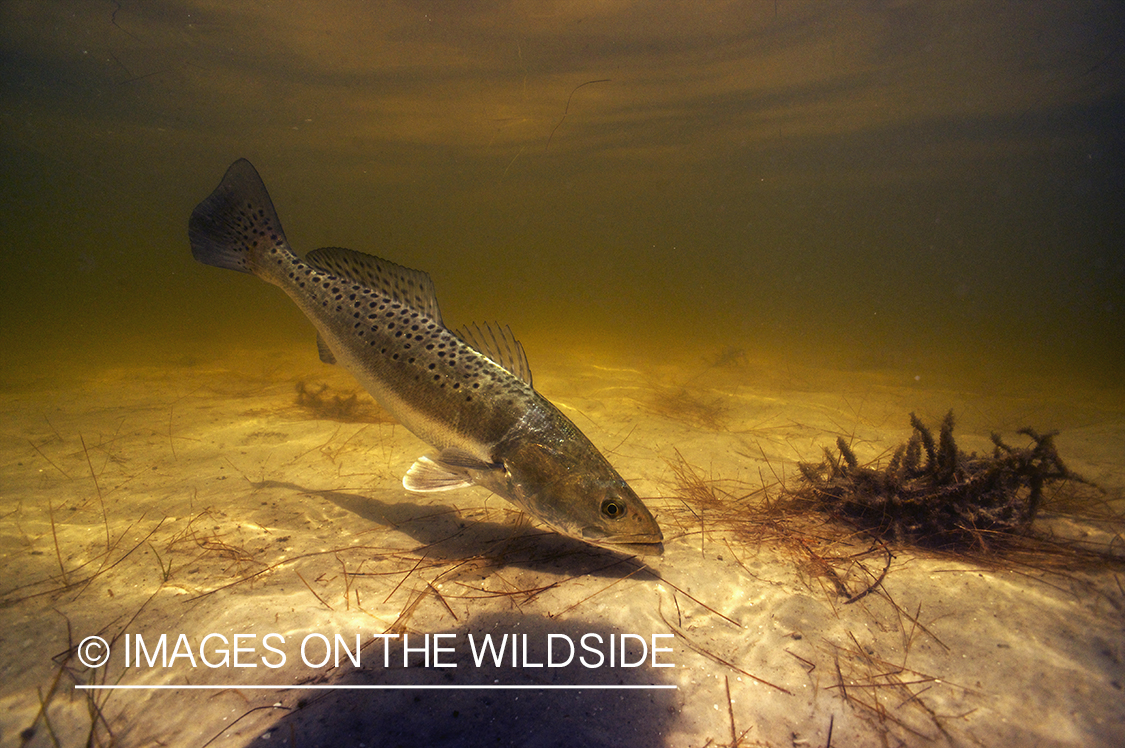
236 226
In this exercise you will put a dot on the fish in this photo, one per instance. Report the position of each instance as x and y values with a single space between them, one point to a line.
466 393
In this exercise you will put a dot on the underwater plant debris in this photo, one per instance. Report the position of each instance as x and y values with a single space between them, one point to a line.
321 402
933 494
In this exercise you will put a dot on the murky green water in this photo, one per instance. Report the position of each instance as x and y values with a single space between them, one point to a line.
911 185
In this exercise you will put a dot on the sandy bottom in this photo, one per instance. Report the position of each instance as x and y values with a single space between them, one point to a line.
206 504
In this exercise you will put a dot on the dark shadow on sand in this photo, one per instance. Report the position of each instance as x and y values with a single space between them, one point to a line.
470 718
443 534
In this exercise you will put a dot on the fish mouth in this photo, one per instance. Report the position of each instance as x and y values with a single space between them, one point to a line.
648 548
637 545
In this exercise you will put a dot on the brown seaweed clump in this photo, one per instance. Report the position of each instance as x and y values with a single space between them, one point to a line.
322 402
935 495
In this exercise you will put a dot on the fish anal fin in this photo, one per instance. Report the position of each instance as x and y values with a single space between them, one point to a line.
326 354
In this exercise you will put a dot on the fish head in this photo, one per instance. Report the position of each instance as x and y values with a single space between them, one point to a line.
579 495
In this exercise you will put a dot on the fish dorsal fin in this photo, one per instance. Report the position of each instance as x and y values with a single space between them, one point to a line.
500 345
411 287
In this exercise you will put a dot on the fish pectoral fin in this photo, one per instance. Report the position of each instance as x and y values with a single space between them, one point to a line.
454 468
428 475
460 459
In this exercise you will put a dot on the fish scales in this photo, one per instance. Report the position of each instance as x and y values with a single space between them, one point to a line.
445 392
381 321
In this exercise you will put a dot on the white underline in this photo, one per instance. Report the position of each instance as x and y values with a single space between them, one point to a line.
259 687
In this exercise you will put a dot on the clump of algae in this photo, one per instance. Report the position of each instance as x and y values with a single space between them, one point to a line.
933 494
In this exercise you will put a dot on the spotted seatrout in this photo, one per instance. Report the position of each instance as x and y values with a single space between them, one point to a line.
467 394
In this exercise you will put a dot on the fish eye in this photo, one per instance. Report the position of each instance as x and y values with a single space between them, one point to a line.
613 509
